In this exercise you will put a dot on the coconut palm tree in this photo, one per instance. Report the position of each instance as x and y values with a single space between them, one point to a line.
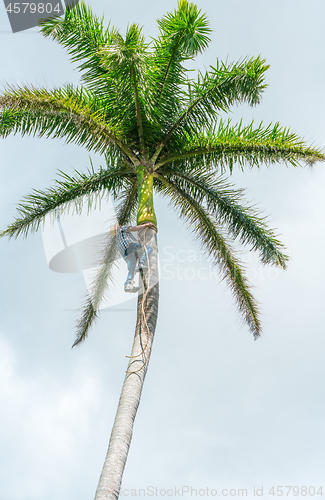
159 130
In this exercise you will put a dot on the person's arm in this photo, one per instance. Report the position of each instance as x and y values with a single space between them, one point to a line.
141 226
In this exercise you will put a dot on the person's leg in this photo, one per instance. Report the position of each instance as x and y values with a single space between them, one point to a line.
143 261
131 261
131 258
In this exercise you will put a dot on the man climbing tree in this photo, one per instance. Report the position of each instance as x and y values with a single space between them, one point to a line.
130 248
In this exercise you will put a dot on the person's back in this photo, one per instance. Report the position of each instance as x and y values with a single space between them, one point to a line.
124 238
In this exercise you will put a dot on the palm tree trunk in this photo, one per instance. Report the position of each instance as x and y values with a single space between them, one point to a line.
146 211
111 476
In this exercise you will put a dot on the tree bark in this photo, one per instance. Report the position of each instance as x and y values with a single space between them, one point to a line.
111 476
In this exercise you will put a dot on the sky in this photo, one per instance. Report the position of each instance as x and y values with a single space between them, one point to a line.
218 410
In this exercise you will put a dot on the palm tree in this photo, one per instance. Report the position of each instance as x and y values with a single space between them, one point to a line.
158 130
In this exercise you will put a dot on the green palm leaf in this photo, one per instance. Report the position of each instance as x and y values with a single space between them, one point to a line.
216 247
221 147
68 113
125 61
225 204
83 35
212 93
184 33
125 212
68 193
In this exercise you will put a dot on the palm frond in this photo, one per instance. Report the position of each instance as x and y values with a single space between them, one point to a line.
100 285
68 112
125 61
83 35
221 147
216 247
107 61
68 192
184 33
214 92
227 206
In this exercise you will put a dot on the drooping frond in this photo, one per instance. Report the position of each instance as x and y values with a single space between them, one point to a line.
216 247
220 148
91 305
67 192
227 206
68 112
100 285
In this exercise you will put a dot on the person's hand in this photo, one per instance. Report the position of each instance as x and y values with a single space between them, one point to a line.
146 225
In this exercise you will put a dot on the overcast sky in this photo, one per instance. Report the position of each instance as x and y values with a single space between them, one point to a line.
218 410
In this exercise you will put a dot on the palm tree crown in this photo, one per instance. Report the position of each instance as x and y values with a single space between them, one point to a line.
159 130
